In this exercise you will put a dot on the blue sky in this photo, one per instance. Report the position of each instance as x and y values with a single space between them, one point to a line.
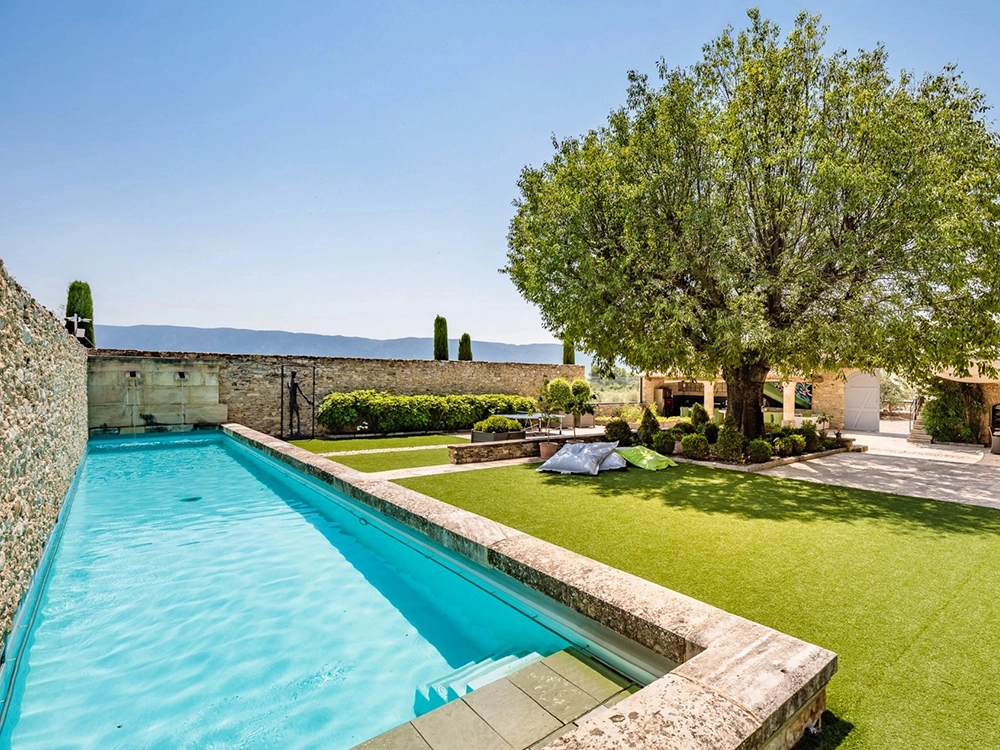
341 168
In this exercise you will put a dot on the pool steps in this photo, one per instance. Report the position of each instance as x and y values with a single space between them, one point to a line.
469 677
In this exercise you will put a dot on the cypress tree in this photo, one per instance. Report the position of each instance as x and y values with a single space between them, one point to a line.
465 348
79 302
440 338
569 352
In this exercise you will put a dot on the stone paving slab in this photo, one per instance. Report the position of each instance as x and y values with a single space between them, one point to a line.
528 709
970 484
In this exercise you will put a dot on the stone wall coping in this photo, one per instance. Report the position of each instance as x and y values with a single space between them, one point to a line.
739 685
142 354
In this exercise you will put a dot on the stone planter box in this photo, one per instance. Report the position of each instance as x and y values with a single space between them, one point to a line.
493 437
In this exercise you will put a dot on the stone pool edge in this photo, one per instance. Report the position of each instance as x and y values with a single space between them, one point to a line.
738 685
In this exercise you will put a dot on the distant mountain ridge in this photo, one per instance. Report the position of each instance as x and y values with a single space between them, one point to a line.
247 341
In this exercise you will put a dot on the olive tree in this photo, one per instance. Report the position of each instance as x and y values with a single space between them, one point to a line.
772 208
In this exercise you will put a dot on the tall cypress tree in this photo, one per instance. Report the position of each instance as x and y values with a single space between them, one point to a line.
465 348
569 352
440 338
79 302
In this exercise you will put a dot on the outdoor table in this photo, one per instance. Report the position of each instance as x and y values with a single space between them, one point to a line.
526 418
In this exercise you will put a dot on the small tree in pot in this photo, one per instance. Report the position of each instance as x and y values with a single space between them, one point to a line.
552 398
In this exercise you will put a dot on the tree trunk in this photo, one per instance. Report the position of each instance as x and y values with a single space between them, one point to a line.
745 396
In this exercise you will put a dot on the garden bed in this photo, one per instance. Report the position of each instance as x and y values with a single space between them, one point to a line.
773 463
501 450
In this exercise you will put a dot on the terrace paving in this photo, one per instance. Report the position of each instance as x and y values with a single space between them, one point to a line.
524 711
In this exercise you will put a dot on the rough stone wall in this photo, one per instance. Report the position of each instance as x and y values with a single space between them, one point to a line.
828 396
249 385
991 396
43 425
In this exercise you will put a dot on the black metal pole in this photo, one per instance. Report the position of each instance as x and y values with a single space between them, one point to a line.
281 414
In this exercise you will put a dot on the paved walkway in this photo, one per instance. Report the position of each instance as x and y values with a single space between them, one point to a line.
916 476
424 471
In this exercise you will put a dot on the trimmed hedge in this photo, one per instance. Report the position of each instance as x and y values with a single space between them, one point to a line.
378 412
759 451
496 423
695 446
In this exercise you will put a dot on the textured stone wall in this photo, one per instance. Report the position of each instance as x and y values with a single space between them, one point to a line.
43 426
991 396
249 385
828 396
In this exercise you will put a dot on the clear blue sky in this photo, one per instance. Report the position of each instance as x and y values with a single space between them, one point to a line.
342 168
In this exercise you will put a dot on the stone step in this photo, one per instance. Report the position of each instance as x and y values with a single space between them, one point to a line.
468 677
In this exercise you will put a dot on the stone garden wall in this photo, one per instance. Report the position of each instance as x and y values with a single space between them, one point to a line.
43 428
249 386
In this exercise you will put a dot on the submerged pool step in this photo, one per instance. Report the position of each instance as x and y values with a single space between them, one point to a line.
468 677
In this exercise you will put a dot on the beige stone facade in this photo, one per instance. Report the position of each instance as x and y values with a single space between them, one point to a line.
827 391
125 385
43 428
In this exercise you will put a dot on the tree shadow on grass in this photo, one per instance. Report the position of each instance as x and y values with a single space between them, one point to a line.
755 497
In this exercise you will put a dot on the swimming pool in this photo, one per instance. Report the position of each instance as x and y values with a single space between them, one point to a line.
203 596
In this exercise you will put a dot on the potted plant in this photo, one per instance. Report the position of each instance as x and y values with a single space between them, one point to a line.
496 428
823 422
579 401
546 406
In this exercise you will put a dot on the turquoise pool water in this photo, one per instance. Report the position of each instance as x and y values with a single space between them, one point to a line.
203 597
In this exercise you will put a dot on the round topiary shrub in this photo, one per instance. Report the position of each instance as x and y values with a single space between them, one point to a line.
798 444
759 451
695 446
618 429
663 442
711 431
685 427
729 446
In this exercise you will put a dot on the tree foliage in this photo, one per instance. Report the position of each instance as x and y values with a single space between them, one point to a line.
440 338
79 302
464 348
954 411
771 208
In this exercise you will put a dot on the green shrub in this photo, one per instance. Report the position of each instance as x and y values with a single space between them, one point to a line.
618 429
79 302
953 411
711 432
783 446
798 444
648 427
699 414
729 446
496 423
730 422
664 443
685 427
580 389
813 440
830 443
560 393
440 338
695 446
378 412
465 348
759 451
569 352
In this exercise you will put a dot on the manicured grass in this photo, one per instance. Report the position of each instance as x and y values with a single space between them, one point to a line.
906 591
367 444
393 460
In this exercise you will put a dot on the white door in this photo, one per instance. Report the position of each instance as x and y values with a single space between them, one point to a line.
861 402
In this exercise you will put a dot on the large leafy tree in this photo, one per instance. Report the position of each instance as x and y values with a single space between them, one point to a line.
771 208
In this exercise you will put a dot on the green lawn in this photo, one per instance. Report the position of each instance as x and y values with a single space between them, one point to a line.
393 460
367 444
906 591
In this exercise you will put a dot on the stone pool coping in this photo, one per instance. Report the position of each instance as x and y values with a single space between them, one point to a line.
738 685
